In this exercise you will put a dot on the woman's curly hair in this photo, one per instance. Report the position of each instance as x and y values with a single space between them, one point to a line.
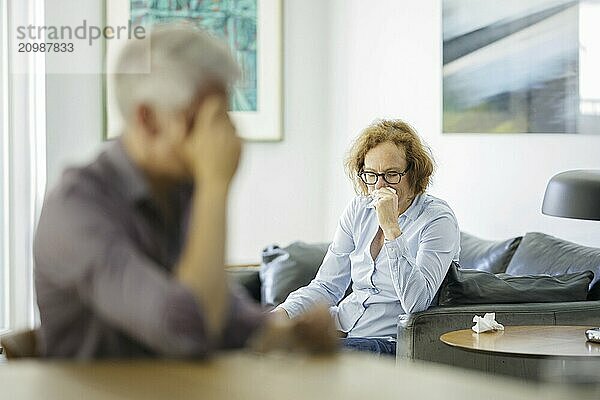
418 155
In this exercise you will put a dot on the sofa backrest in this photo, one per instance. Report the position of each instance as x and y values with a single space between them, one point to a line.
286 269
486 255
539 254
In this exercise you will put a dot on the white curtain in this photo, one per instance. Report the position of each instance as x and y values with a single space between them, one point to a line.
23 152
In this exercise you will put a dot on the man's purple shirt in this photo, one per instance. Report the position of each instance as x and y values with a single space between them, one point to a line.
104 258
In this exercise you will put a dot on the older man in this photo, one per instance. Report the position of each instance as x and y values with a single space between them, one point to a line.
130 249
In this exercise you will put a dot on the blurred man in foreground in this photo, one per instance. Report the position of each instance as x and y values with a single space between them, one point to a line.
130 249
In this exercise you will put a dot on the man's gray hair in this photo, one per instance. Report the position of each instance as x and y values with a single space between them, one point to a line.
182 61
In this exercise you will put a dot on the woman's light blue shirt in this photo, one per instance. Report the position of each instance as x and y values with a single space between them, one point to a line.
403 279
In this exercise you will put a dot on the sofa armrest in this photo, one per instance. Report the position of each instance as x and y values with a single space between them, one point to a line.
418 334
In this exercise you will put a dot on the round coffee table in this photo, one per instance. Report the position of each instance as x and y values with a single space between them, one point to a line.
533 341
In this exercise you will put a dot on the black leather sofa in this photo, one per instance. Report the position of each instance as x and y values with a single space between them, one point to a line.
418 334
533 254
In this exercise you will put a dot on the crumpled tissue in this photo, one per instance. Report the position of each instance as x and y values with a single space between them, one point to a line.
486 323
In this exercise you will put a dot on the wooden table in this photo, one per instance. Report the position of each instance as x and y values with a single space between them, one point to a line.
534 341
248 376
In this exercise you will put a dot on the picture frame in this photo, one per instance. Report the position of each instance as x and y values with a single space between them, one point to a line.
262 121
520 67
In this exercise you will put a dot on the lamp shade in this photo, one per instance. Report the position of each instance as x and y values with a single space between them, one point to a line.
573 194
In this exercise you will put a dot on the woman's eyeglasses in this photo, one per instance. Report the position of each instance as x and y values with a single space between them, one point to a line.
391 177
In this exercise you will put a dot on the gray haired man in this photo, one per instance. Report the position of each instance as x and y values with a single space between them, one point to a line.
129 249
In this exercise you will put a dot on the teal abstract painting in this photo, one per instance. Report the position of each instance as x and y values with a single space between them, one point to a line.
233 21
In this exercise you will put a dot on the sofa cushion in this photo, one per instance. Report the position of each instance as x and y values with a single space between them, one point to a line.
248 278
544 254
486 255
284 270
464 286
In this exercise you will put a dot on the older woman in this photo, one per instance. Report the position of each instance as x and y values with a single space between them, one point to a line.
394 241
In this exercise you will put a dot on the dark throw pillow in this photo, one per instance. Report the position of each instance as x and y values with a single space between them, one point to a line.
284 270
486 255
539 253
464 286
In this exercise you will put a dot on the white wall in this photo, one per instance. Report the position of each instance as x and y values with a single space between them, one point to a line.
278 192
388 57
73 101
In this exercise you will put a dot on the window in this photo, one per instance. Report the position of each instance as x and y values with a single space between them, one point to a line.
3 167
22 163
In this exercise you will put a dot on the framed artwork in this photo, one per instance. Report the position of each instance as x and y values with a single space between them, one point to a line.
521 66
253 31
